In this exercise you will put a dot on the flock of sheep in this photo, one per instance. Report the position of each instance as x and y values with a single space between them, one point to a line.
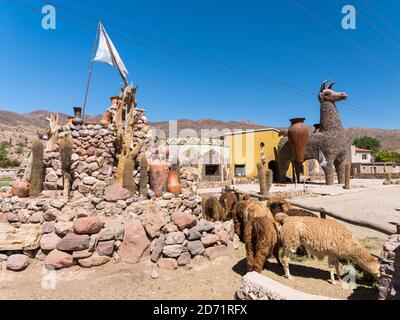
276 228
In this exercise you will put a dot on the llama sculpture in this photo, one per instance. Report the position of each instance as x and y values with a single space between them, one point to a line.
328 145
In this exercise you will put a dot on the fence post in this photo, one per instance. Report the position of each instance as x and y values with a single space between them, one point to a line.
323 214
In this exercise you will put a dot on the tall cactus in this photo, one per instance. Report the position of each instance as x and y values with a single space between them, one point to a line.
37 169
128 178
269 180
143 176
347 172
262 179
66 149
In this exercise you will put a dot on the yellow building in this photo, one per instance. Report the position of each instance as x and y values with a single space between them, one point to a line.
250 147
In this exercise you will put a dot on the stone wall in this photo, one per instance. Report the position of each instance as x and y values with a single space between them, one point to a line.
389 283
374 176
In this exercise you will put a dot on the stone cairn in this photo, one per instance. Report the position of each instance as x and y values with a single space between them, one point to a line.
101 221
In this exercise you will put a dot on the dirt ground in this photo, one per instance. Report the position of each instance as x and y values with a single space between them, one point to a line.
216 281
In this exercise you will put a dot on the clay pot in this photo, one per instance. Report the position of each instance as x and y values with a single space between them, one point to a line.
77 116
106 118
158 177
173 183
114 100
298 137
20 189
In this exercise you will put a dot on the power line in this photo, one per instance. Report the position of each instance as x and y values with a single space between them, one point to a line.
375 27
289 88
356 45
380 18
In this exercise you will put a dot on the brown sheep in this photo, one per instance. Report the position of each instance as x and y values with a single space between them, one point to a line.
237 215
262 240
213 210
256 209
322 237
279 204
228 200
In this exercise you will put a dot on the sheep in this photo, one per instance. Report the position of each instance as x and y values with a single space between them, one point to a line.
237 215
278 204
322 237
213 210
256 209
262 239
228 200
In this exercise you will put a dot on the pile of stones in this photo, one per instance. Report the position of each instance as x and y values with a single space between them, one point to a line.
389 283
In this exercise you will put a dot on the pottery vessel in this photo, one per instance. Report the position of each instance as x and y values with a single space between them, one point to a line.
158 177
298 137
20 189
77 116
173 183
106 118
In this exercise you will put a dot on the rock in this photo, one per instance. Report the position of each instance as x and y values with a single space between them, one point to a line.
168 196
196 247
173 251
106 234
105 248
58 259
40 255
167 263
17 262
94 261
81 254
36 217
89 225
63 228
119 230
216 252
82 188
134 244
12 217
236 242
184 259
194 234
48 227
210 239
183 220
152 218
49 241
51 214
90 181
158 248
204 226
57 204
154 274
23 215
3 257
116 192
74 242
94 239
170 227
51 177
175 238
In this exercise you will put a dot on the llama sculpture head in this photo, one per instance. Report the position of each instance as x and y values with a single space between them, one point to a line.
327 94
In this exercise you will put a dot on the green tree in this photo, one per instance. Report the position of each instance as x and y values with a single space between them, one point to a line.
369 143
3 151
387 156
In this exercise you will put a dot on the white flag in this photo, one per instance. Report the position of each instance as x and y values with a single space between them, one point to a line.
108 54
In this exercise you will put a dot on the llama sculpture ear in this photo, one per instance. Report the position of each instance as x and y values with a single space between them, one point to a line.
331 85
323 85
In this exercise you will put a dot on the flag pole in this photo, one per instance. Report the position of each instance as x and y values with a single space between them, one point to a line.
90 69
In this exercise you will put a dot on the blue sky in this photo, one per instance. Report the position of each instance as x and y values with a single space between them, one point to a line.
48 69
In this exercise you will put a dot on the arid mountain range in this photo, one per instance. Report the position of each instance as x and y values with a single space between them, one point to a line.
19 128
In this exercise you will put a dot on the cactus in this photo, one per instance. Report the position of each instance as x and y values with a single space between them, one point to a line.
347 172
269 180
143 176
262 179
66 147
37 169
128 181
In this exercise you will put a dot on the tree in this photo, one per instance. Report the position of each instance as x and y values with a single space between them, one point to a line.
387 156
3 151
369 143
